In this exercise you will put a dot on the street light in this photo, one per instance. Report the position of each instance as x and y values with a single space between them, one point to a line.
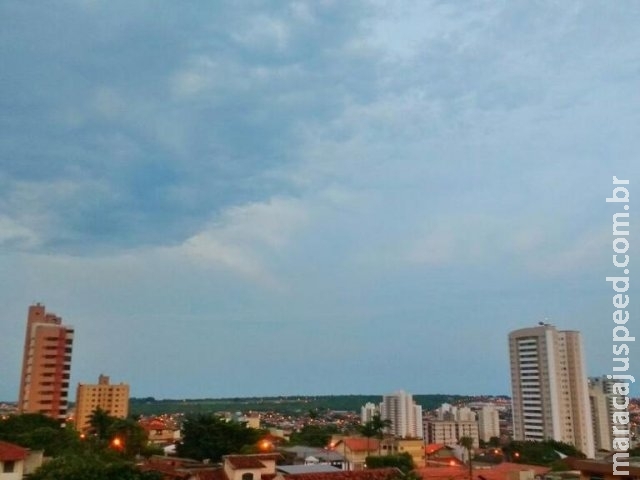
117 443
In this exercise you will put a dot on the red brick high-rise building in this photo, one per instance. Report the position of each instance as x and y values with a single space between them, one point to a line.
46 364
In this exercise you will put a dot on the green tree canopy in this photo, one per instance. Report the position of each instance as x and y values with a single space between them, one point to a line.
100 422
539 453
133 439
90 466
39 432
403 461
374 428
313 435
209 436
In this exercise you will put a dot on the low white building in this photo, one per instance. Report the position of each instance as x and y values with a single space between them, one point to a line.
16 462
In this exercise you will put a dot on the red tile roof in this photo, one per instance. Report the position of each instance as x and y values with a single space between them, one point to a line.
172 468
241 462
357 444
444 462
167 471
446 473
10 452
498 472
217 474
251 461
367 474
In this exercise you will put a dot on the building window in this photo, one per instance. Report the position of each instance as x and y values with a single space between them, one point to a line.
247 476
8 467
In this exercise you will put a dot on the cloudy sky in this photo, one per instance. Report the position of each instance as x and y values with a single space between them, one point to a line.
312 197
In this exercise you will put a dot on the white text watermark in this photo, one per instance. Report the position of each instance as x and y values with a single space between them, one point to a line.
620 434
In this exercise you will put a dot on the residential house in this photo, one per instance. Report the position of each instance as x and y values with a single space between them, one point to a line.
355 450
16 462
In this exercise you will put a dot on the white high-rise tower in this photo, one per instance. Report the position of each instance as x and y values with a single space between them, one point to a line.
405 415
549 385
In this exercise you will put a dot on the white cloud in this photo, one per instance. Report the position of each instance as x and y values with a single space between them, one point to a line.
244 236
264 31
12 232
560 258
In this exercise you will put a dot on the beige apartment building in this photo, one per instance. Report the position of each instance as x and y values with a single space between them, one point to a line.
549 387
449 432
46 364
602 400
405 415
113 399
488 423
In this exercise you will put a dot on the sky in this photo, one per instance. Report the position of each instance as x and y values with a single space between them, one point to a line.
313 197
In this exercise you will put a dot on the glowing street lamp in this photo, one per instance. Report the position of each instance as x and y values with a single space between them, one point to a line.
265 445
117 443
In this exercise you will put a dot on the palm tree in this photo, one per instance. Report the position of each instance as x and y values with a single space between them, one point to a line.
379 426
467 443
374 428
100 421
367 430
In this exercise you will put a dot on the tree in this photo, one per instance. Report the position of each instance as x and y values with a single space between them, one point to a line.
375 428
100 422
467 443
93 466
128 437
494 442
403 462
539 453
39 432
367 430
210 437
314 435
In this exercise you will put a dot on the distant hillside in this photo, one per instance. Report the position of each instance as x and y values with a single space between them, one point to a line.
291 405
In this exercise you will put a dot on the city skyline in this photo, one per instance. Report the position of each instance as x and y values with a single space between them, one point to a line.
36 313
312 197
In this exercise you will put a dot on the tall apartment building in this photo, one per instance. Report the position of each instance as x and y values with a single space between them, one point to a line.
601 398
113 399
404 413
367 412
46 364
488 423
549 386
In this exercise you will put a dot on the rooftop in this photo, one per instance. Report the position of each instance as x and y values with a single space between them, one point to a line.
11 452
501 471
250 461
297 469
368 474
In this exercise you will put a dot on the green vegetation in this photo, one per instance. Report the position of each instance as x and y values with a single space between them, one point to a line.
125 435
374 428
313 435
93 466
467 444
210 437
39 432
540 453
106 454
286 405
403 462
494 442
